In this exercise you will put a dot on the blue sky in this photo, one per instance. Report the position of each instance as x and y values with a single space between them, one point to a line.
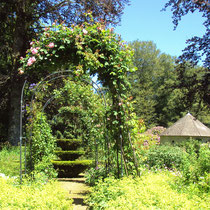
144 21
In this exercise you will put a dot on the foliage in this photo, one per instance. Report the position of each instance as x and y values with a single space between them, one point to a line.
72 163
190 91
197 167
80 112
147 192
32 195
165 156
150 81
88 49
157 130
94 174
163 90
71 168
65 155
68 143
21 21
198 47
42 144
9 161
147 140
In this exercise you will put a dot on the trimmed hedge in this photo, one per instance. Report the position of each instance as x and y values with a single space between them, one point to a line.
71 168
69 144
69 155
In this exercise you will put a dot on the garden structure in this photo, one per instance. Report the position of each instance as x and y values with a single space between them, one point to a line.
88 49
185 128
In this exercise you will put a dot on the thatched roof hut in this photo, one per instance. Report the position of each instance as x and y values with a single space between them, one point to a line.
185 128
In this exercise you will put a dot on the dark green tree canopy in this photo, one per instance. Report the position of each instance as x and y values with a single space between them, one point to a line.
198 47
163 90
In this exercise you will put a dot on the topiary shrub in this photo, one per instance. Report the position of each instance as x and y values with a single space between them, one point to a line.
69 144
71 168
69 155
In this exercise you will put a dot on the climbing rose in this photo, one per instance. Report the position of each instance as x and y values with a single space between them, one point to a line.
20 71
34 51
51 45
84 31
31 60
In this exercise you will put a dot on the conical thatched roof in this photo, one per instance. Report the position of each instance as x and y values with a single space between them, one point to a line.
187 126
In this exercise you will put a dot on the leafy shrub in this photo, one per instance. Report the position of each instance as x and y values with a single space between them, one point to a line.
157 130
42 145
94 174
33 196
163 156
197 166
152 191
149 138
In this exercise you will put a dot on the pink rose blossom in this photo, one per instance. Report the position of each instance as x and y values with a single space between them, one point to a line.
31 43
120 104
34 51
20 71
84 31
46 29
31 60
51 45
21 58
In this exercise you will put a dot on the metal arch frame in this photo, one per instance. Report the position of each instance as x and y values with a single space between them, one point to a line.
45 80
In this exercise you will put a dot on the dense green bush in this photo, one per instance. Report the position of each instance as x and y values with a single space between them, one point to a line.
151 191
31 195
69 155
71 168
197 166
69 144
162 156
42 144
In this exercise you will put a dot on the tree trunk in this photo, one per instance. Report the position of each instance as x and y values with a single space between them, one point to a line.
19 47
14 113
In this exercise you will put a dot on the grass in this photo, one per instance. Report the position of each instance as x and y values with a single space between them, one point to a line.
10 161
36 194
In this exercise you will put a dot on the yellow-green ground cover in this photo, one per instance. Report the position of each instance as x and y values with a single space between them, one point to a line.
151 191
32 195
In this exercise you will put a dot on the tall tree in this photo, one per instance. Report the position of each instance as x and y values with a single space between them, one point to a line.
153 69
190 92
164 90
21 20
198 47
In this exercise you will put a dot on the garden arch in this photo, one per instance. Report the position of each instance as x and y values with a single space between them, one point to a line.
50 78
89 49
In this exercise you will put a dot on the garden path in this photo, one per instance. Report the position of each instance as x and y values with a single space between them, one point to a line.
77 191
